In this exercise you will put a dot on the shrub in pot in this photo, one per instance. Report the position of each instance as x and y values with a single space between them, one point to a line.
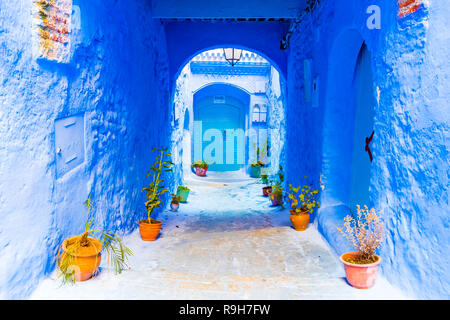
175 203
255 169
268 188
365 233
150 228
200 167
303 201
79 257
183 193
276 195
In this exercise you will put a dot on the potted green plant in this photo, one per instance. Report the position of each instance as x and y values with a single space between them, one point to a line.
200 167
267 189
79 257
175 203
255 169
183 193
150 228
276 196
365 233
303 200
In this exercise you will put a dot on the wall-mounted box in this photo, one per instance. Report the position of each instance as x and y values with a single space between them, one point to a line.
69 143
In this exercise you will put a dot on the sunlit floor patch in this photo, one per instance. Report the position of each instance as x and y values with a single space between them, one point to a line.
227 242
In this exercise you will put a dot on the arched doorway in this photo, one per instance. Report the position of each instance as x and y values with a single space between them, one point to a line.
363 129
213 93
348 121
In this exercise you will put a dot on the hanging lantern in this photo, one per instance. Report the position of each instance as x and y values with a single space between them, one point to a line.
232 55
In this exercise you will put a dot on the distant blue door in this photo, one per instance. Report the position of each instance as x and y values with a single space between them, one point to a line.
220 116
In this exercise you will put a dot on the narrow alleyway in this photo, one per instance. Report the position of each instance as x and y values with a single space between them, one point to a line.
227 242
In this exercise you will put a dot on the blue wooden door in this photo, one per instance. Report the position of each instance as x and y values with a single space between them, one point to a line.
219 115
363 128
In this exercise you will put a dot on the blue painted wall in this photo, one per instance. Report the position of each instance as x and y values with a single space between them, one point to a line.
409 176
117 78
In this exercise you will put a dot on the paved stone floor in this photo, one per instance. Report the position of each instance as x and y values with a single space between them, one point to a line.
227 242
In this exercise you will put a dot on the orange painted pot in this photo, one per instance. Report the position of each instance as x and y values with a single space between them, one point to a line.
299 221
149 231
86 259
361 276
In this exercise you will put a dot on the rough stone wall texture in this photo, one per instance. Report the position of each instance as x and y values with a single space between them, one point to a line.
182 103
409 176
117 77
276 94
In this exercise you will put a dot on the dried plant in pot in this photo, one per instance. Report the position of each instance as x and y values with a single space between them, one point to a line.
79 257
200 168
303 202
150 228
364 232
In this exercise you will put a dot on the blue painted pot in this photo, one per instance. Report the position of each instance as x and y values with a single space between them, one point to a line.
183 194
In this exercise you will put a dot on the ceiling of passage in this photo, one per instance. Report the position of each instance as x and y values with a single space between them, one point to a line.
236 10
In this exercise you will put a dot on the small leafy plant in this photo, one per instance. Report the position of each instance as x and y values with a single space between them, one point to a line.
200 164
265 178
183 188
258 164
365 233
175 199
156 188
118 253
277 187
262 154
303 199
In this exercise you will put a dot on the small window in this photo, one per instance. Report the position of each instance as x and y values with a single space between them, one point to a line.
259 113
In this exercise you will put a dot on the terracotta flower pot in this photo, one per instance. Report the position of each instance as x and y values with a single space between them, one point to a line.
201 172
361 276
299 221
149 231
174 206
267 191
85 260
